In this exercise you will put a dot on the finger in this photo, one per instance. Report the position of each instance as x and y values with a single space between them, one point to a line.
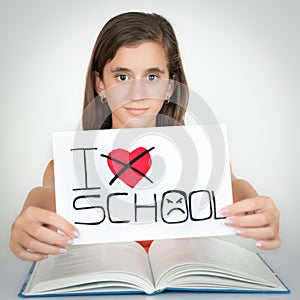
254 220
22 253
247 205
50 218
34 245
262 233
46 235
268 244
51 227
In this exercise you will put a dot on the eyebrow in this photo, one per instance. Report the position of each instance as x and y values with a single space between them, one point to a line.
122 69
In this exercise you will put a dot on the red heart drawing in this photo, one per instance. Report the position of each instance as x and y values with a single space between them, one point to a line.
130 167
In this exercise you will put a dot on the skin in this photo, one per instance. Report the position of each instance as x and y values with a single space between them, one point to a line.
35 228
145 64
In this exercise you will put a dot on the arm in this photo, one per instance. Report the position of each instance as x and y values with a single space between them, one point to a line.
34 233
252 215
43 196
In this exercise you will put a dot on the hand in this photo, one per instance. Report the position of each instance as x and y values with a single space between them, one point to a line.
256 218
34 234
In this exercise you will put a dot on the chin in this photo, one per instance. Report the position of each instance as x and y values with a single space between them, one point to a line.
141 121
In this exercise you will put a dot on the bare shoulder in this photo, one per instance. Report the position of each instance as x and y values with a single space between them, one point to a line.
48 178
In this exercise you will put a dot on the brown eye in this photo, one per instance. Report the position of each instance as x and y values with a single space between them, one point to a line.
122 77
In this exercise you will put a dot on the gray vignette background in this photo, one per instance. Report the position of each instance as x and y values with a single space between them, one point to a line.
241 57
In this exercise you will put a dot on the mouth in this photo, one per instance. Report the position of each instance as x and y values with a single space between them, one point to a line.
176 208
136 111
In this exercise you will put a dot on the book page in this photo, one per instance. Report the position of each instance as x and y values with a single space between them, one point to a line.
121 263
207 257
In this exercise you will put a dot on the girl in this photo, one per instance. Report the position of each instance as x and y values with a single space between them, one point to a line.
135 46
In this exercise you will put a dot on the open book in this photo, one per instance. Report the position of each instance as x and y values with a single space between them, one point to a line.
195 264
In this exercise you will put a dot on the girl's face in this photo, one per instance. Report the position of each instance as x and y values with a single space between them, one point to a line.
135 83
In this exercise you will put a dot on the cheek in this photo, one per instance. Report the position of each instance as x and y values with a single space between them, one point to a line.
115 107
116 98
155 105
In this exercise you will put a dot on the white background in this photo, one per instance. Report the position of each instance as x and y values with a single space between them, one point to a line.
241 57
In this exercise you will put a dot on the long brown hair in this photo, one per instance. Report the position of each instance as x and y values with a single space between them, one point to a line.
133 28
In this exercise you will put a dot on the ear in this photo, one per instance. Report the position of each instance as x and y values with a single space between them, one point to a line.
98 84
170 89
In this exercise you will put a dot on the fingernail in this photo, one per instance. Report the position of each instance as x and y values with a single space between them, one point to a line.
45 256
258 244
62 251
229 222
239 232
76 234
224 211
70 242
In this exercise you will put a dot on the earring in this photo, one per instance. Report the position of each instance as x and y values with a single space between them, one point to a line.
167 100
103 100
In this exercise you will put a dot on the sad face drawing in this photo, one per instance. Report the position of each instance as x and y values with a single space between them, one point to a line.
174 208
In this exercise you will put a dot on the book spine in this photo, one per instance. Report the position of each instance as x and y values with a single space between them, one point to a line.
21 293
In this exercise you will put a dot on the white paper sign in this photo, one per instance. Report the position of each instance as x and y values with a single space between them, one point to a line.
144 183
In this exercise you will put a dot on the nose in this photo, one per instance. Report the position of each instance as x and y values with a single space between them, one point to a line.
137 90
